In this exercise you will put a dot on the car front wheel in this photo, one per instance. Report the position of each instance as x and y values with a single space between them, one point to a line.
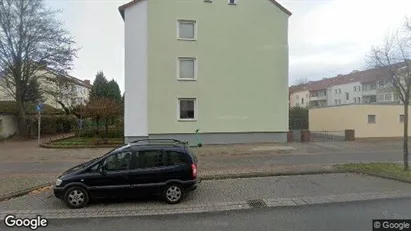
76 197
173 193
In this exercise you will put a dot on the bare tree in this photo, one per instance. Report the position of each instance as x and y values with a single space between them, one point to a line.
301 81
60 90
30 38
394 57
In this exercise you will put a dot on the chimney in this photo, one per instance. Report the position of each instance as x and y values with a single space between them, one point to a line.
86 81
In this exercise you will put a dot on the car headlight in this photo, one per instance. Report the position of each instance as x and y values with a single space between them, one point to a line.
58 182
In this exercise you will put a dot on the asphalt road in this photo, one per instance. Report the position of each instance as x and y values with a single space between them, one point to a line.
340 216
56 167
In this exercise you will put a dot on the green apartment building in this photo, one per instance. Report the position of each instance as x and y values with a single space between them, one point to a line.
220 66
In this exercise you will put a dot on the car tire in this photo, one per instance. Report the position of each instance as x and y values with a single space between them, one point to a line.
76 197
173 193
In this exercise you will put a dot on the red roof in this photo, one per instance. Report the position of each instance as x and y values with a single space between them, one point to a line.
359 76
125 6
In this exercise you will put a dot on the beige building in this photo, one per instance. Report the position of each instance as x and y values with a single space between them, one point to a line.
368 120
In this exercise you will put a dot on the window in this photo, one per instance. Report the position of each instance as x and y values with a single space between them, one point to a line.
355 88
186 30
355 100
347 96
358 99
302 100
150 159
117 162
187 109
232 2
388 97
335 102
175 158
359 88
187 68
336 91
339 91
371 119
401 118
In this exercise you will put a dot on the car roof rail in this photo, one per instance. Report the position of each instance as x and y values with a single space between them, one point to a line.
159 141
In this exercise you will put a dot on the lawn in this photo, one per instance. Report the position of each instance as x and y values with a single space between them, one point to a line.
379 169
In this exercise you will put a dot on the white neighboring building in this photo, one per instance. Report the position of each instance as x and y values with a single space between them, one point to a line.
74 91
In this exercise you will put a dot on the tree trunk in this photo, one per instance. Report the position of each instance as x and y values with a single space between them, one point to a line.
21 120
106 135
405 147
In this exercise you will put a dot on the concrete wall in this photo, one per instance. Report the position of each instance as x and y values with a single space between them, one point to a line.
8 125
339 118
136 42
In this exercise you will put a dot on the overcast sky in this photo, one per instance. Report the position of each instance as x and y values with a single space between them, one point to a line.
326 37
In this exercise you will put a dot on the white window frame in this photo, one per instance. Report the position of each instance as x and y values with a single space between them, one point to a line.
195 109
402 118
178 29
195 68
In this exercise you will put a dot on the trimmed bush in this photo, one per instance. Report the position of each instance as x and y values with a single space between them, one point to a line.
92 132
55 124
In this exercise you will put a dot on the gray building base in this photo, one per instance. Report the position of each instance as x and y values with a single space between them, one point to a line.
221 138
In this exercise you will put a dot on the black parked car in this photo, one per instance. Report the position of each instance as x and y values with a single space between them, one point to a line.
163 167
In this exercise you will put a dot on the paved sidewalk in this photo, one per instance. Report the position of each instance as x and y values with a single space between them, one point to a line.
222 195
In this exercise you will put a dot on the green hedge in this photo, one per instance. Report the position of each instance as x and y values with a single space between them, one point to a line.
93 132
55 124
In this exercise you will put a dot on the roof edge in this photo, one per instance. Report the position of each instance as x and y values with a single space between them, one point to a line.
281 7
122 8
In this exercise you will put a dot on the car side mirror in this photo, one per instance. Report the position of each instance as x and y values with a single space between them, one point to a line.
101 169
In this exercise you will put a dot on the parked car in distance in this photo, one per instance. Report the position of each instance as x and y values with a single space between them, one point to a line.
152 166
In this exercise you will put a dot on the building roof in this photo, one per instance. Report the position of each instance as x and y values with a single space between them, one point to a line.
72 79
355 76
125 6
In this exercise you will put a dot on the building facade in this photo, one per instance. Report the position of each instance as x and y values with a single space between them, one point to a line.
358 87
187 70
56 87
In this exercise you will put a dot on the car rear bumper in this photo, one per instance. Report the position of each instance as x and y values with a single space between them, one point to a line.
194 185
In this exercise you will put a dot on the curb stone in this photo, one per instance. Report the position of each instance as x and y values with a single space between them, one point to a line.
23 192
216 207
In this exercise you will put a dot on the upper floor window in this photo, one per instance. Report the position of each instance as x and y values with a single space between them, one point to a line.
232 2
187 68
186 29
355 88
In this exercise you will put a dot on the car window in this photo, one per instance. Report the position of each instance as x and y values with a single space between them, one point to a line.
175 158
150 159
117 162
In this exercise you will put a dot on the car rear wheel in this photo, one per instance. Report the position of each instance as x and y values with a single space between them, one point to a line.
76 197
173 193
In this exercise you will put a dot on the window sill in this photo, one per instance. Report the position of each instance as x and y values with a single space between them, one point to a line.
187 39
187 120
182 79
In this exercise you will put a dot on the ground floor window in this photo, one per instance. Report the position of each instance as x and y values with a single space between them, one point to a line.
187 109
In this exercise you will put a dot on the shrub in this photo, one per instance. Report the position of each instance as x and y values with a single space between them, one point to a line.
92 132
54 124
